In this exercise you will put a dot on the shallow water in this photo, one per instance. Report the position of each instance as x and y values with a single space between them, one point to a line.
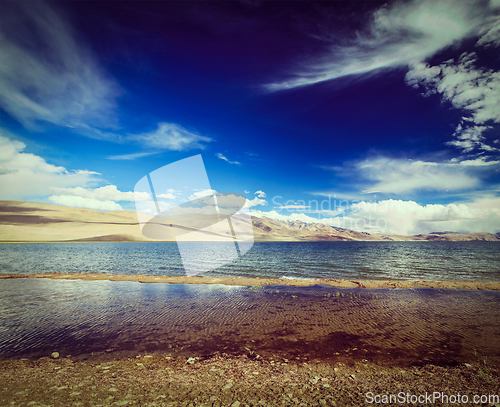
99 319
455 261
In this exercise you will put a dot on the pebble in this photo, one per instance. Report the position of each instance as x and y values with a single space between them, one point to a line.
228 386
236 404
113 389
54 355
59 388
191 361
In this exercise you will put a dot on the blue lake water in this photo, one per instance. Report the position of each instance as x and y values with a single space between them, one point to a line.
459 261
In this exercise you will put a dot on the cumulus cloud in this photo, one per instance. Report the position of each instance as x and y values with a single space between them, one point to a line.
399 34
260 194
47 75
106 193
88 203
399 217
256 202
171 136
168 195
24 175
287 218
202 193
223 157
28 176
408 217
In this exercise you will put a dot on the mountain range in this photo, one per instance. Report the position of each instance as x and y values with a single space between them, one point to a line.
22 221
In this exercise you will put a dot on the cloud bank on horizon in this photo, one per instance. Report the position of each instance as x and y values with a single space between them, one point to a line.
374 103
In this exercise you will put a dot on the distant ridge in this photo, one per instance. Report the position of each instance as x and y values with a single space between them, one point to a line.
22 221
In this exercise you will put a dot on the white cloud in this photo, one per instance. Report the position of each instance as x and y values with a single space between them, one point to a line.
295 206
400 34
168 195
466 87
286 218
399 217
256 201
469 138
171 136
47 74
397 176
408 217
132 156
478 162
260 194
202 193
24 175
491 32
81 202
106 193
222 157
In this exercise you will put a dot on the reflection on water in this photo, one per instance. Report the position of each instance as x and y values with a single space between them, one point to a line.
39 316
434 261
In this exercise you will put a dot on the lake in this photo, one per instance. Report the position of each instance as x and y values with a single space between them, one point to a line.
434 261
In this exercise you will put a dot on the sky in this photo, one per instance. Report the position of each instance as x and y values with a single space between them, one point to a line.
375 116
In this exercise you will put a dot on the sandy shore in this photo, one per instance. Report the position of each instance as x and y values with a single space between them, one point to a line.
257 282
223 380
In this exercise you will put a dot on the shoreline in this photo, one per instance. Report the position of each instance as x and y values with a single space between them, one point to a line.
257 281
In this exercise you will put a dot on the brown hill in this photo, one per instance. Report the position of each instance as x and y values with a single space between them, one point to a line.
22 221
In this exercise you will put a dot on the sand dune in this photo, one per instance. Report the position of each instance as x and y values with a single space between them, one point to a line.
22 221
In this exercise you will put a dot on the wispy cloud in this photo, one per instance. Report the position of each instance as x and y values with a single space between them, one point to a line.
132 156
260 194
388 176
171 136
294 206
47 75
223 157
399 34
475 90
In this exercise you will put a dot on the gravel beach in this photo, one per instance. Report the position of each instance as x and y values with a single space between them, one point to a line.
236 381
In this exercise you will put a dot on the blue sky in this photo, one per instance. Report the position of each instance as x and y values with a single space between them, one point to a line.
378 116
